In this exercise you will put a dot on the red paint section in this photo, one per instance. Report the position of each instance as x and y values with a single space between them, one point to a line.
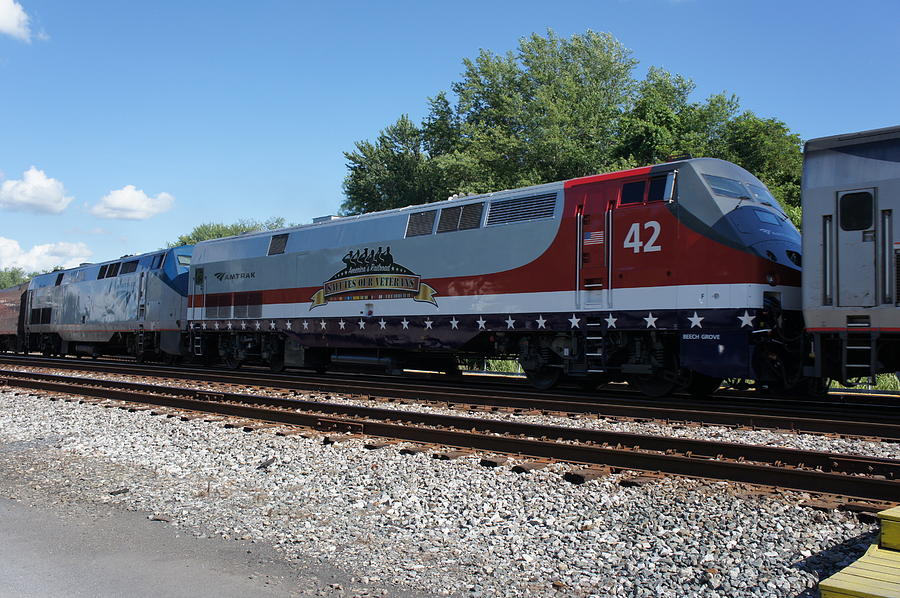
611 176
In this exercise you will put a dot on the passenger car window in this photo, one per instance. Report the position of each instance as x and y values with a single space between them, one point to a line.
856 210
632 193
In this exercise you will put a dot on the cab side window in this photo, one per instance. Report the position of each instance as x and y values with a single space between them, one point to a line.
657 189
632 193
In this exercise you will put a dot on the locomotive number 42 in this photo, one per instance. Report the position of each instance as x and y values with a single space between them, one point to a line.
633 238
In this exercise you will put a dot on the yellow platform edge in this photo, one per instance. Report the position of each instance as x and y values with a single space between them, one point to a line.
876 574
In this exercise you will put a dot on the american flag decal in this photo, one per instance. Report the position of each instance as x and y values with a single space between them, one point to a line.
594 238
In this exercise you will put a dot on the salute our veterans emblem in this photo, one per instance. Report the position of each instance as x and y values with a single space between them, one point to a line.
371 275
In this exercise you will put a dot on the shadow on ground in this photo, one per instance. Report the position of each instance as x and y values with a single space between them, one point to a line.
825 563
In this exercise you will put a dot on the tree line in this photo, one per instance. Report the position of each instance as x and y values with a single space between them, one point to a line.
558 108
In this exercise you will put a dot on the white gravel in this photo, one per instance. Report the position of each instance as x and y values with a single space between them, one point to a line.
413 523
811 442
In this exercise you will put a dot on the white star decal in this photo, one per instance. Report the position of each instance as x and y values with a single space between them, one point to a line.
746 319
574 321
510 323
258 324
362 325
322 324
541 321
288 324
454 324
651 321
428 324
228 325
611 321
243 325
216 324
481 322
203 324
695 321
272 324
405 323
382 323
341 324
305 325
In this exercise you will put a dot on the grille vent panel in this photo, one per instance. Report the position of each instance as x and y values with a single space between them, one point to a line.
521 209
471 216
420 223
460 218
277 244
449 219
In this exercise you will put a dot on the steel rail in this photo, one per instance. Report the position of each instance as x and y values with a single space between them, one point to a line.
847 420
847 475
847 399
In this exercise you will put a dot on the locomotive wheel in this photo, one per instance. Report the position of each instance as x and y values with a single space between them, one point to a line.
232 362
653 385
544 378
702 385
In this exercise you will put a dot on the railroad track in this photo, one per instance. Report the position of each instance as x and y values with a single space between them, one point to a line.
855 477
849 415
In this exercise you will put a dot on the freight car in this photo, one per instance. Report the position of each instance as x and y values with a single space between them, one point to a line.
11 322
131 306
671 277
851 241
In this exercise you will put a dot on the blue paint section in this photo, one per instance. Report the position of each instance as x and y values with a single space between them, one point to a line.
768 233
717 354
888 151
175 268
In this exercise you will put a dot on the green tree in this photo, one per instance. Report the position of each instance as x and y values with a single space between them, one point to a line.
217 230
394 171
767 148
10 277
662 121
556 109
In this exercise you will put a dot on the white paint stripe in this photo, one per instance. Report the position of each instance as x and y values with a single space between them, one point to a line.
694 297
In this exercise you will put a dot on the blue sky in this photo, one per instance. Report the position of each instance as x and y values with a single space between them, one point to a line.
124 124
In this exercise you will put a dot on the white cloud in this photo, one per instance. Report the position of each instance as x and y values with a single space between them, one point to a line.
34 192
129 203
42 257
14 20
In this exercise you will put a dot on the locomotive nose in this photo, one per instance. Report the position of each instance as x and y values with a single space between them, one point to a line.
768 234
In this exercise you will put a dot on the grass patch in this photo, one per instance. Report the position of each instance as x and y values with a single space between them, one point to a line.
882 382
499 366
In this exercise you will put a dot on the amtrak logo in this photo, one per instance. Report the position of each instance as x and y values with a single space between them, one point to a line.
223 276
371 275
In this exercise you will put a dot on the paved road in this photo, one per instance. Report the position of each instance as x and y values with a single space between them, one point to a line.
125 554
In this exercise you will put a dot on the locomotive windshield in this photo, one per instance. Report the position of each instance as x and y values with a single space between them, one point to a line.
744 191
727 187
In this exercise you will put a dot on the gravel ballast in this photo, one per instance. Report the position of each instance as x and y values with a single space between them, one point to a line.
409 523
773 438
